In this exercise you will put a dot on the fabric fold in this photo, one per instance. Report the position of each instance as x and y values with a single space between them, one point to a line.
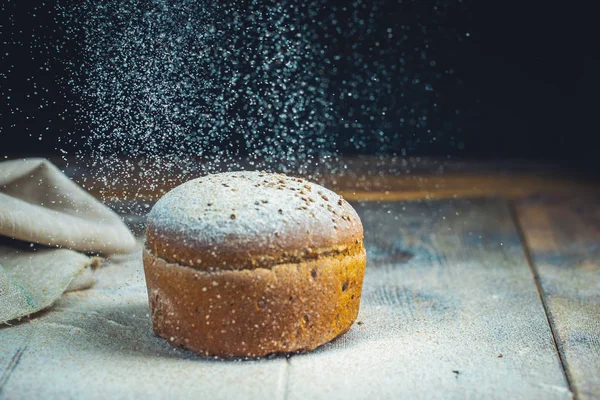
31 280
39 204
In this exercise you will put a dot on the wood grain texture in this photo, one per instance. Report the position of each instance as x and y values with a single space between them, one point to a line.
563 236
450 310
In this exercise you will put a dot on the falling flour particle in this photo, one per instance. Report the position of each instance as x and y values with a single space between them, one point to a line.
201 79
282 85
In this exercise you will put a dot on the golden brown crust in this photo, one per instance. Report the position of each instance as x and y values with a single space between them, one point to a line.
250 313
247 264
246 220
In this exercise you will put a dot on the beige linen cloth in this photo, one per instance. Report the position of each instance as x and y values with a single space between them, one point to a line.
39 204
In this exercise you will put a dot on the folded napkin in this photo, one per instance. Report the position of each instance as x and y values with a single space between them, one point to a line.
39 204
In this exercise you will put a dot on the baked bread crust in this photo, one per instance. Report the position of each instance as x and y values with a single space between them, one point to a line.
246 264
252 313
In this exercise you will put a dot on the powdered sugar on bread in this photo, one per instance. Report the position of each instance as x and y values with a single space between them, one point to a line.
248 217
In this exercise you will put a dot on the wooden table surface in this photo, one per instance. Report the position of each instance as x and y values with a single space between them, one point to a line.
479 284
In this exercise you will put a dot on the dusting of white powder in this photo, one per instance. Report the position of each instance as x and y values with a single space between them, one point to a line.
236 207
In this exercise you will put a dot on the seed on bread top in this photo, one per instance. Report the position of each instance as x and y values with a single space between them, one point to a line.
204 221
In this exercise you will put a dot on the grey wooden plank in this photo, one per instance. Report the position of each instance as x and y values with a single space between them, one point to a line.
447 292
98 344
563 236
450 310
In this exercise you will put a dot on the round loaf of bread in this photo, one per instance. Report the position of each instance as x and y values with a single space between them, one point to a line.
245 264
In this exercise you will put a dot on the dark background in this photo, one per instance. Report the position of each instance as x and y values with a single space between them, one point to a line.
526 83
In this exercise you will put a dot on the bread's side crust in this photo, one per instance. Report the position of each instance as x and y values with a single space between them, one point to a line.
249 256
252 313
